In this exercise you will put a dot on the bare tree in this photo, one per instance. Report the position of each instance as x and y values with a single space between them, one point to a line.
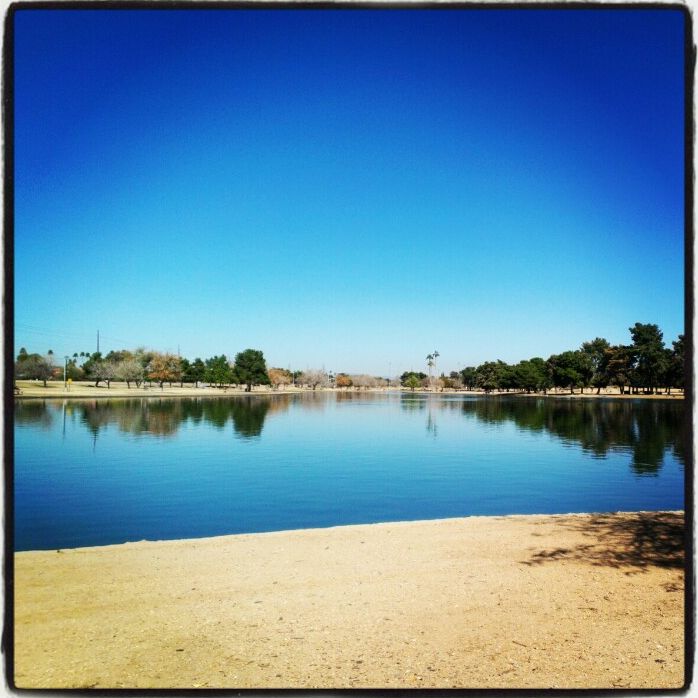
314 378
131 371
364 381
279 377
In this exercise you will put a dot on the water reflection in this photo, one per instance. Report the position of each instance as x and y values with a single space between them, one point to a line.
161 418
643 428
33 412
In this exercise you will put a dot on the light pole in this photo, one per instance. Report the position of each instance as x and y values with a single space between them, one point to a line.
65 367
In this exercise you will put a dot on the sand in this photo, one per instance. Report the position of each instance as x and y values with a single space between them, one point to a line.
592 601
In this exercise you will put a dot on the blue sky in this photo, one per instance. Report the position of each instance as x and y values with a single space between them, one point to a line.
347 188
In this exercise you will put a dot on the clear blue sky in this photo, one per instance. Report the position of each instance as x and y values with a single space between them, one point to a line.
347 188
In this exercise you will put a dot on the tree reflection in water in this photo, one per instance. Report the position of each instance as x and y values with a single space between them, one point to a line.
160 417
33 412
645 429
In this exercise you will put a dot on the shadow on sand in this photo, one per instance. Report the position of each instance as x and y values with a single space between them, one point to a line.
639 541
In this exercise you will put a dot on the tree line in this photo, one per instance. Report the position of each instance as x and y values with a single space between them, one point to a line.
645 364
141 366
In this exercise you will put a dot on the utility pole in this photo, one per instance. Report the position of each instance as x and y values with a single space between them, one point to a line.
98 341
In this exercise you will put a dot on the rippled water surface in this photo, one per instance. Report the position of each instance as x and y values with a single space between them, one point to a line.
99 472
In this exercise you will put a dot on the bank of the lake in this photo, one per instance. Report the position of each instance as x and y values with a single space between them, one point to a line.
84 389
578 601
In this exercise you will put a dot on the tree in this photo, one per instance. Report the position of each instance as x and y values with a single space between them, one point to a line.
430 364
362 380
406 374
92 367
313 378
99 369
118 356
468 376
197 371
251 368
34 367
218 371
542 372
529 375
488 375
675 365
455 381
185 368
507 376
131 371
619 366
568 370
73 371
648 351
164 367
412 381
279 377
108 370
597 353
343 380
435 355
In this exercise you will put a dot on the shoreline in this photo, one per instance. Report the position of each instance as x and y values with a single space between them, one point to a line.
54 390
340 527
521 601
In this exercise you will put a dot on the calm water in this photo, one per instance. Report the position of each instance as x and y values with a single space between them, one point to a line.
99 472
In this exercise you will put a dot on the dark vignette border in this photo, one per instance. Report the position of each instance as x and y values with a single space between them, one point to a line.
7 641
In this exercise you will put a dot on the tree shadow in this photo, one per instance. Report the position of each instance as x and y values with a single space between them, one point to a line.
638 541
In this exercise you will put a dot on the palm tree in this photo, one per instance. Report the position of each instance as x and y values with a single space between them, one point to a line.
431 363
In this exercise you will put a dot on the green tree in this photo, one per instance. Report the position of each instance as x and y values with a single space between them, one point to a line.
94 368
420 376
569 369
619 366
597 352
488 375
412 381
506 376
468 376
218 371
531 375
675 365
251 369
648 351
197 371
185 372
73 371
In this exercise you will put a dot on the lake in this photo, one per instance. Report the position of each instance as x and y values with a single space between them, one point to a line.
96 472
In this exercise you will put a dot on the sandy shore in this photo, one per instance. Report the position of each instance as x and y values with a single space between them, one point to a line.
593 601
